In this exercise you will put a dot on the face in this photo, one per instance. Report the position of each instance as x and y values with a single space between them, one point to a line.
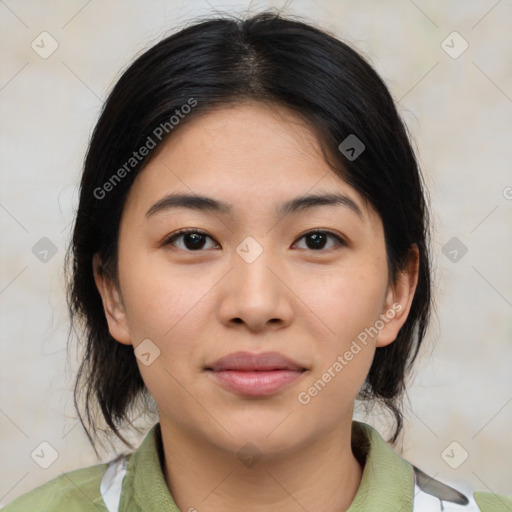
307 282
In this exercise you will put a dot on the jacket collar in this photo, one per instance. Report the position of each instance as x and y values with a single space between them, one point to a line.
388 479
387 483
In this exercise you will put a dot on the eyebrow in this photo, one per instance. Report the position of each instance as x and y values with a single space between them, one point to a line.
209 204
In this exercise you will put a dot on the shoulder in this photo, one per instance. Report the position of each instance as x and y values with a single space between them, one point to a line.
389 478
490 502
74 491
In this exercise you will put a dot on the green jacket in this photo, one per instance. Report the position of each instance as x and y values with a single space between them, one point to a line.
136 483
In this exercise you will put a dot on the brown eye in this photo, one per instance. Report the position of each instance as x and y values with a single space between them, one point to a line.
192 239
195 240
317 240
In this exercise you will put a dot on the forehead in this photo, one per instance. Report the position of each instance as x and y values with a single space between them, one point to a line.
248 154
239 140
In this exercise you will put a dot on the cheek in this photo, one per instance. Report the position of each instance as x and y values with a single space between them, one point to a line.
348 308
347 300
168 309
348 303
159 298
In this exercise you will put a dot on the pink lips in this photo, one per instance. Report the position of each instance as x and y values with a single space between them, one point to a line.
255 374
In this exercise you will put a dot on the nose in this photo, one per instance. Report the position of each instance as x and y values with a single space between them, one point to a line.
255 293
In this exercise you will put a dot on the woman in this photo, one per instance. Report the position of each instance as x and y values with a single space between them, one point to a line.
251 252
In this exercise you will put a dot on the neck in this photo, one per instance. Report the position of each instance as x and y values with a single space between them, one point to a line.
323 475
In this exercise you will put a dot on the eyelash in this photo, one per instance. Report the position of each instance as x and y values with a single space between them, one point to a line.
186 231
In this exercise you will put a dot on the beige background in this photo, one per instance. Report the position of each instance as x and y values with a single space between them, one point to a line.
459 111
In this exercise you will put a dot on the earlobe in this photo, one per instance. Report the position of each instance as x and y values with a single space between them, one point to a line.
112 303
399 300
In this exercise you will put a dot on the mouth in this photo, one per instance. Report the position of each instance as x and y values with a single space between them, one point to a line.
256 382
249 362
255 374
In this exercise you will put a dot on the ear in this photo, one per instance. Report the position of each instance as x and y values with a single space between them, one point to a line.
398 300
112 303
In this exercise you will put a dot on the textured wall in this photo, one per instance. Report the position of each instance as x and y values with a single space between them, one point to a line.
457 102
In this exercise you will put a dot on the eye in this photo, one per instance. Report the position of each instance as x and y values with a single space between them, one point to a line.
316 240
193 239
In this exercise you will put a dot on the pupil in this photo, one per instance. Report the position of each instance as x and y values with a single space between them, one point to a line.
318 238
196 240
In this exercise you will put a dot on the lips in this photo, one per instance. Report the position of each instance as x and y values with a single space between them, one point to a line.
248 362
255 375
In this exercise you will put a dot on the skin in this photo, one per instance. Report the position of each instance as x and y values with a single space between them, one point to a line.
199 305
